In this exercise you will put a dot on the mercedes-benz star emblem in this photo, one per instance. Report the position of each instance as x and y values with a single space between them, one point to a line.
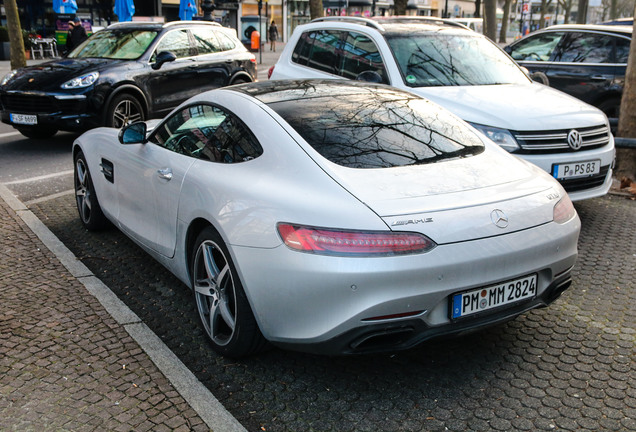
574 139
499 218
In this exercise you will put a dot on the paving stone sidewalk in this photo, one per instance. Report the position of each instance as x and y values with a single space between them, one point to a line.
65 364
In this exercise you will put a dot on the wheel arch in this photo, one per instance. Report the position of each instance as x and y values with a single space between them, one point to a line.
126 89
240 76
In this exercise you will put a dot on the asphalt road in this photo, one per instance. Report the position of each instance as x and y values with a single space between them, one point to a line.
571 366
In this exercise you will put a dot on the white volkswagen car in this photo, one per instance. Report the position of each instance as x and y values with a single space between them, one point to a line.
466 73
335 217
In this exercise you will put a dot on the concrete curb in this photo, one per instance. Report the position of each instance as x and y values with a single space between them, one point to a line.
211 411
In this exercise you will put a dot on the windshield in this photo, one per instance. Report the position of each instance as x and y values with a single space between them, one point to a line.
376 127
115 44
447 59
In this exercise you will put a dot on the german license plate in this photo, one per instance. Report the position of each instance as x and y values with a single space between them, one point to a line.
578 169
494 296
25 119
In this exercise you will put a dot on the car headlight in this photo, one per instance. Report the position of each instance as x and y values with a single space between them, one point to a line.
501 137
81 81
8 77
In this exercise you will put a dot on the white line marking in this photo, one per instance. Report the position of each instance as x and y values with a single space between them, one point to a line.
8 134
49 197
42 177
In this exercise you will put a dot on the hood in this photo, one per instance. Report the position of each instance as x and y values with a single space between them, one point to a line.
50 75
453 200
519 107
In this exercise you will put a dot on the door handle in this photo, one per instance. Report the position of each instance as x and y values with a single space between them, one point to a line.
165 173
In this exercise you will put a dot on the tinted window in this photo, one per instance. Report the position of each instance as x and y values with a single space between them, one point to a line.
317 49
115 44
375 127
449 59
205 40
209 133
536 48
176 41
586 48
360 54
226 43
622 50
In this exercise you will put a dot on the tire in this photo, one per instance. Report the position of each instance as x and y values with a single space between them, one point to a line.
611 107
88 207
224 312
540 77
36 132
123 110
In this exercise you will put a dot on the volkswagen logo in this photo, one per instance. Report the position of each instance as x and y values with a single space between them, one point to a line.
499 218
574 139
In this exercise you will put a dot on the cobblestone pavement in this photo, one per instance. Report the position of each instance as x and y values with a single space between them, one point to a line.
65 365
567 367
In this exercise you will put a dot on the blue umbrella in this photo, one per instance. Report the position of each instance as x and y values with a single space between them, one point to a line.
64 6
124 9
187 8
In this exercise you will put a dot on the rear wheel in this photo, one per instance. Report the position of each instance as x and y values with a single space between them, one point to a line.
88 207
37 132
124 109
224 312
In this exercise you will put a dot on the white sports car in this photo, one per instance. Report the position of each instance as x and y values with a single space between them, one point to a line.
330 216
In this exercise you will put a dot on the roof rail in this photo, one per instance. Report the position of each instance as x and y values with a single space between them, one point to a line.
198 22
402 19
356 20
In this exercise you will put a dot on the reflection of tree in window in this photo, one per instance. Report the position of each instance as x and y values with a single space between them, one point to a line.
373 128
587 48
177 42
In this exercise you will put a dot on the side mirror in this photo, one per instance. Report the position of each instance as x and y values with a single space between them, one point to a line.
163 57
370 76
134 133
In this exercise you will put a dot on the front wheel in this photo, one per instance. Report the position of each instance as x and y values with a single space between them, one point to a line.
123 110
224 312
88 207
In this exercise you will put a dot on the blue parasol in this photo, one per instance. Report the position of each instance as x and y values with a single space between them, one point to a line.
187 8
124 9
64 6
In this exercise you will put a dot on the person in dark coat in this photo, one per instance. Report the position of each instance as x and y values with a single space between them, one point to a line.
273 35
76 34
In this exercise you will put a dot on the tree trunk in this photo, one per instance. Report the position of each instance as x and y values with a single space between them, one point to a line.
490 19
315 9
504 21
625 157
581 16
399 7
18 58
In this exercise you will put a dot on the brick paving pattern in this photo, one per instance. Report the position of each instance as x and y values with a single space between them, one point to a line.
65 365
571 366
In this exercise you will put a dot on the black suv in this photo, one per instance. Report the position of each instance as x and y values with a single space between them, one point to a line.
124 73
585 61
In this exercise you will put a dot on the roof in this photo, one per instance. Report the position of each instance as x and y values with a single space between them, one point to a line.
627 30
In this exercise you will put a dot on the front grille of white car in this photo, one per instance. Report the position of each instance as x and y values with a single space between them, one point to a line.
556 141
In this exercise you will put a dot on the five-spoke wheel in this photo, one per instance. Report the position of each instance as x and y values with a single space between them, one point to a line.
88 207
124 109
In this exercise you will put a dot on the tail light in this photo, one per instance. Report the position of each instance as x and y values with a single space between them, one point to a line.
270 71
327 241
563 210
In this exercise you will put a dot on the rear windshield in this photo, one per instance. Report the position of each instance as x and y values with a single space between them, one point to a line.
377 127
115 44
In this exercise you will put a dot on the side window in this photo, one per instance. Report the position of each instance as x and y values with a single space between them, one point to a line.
360 54
209 133
622 50
176 41
318 50
226 43
587 48
205 40
536 48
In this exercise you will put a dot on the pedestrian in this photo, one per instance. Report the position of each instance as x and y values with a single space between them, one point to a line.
273 35
76 34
